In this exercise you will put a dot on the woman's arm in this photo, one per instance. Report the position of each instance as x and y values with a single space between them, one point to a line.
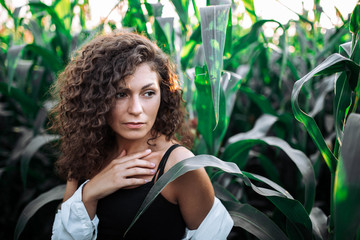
77 218
122 172
204 215
71 186
195 196
72 220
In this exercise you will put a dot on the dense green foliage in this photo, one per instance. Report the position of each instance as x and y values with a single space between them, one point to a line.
280 112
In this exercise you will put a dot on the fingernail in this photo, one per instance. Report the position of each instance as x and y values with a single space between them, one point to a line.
148 150
152 171
153 164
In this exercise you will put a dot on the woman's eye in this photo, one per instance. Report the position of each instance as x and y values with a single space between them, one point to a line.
120 95
149 93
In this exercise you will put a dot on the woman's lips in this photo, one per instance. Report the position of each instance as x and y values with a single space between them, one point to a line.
134 125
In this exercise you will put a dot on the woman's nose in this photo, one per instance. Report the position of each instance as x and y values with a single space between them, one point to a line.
135 106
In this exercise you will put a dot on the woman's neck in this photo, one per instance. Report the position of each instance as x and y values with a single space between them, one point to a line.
134 146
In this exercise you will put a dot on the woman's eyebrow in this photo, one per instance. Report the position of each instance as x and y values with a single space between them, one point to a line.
147 85
124 88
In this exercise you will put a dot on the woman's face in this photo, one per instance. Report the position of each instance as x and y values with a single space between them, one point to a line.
136 105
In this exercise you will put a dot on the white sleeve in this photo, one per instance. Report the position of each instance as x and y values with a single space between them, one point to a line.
73 221
216 225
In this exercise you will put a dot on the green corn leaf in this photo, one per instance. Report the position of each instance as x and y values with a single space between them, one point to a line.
22 71
135 17
355 20
34 145
25 135
268 166
299 223
223 194
261 127
2 2
40 119
181 7
165 34
262 60
338 14
298 220
250 37
228 38
220 2
37 32
212 132
337 63
38 86
13 56
231 84
196 10
194 163
63 10
261 101
254 221
270 183
301 17
292 68
250 9
353 75
204 107
154 9
17 19
50 59
37 7
284 44
56 193
253 36
214 20
325 86
347 182
332 43
296 215
84 37
188 50
332 64
83 15
319 223
240 156
342 103
28 105
223 123
301 161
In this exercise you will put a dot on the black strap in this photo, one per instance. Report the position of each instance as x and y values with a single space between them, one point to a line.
163 161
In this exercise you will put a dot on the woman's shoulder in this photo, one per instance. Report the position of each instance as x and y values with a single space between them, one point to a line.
179 154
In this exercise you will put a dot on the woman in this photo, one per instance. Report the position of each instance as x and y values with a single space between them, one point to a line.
121 119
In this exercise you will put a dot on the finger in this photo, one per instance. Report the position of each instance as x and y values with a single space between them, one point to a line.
137 171
137 163
134 182
116 160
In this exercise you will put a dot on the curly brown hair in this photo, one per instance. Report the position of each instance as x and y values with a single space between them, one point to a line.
86 92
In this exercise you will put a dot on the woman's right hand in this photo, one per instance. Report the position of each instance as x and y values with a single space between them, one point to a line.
122 172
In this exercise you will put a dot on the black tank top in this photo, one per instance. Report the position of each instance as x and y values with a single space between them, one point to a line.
162 220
